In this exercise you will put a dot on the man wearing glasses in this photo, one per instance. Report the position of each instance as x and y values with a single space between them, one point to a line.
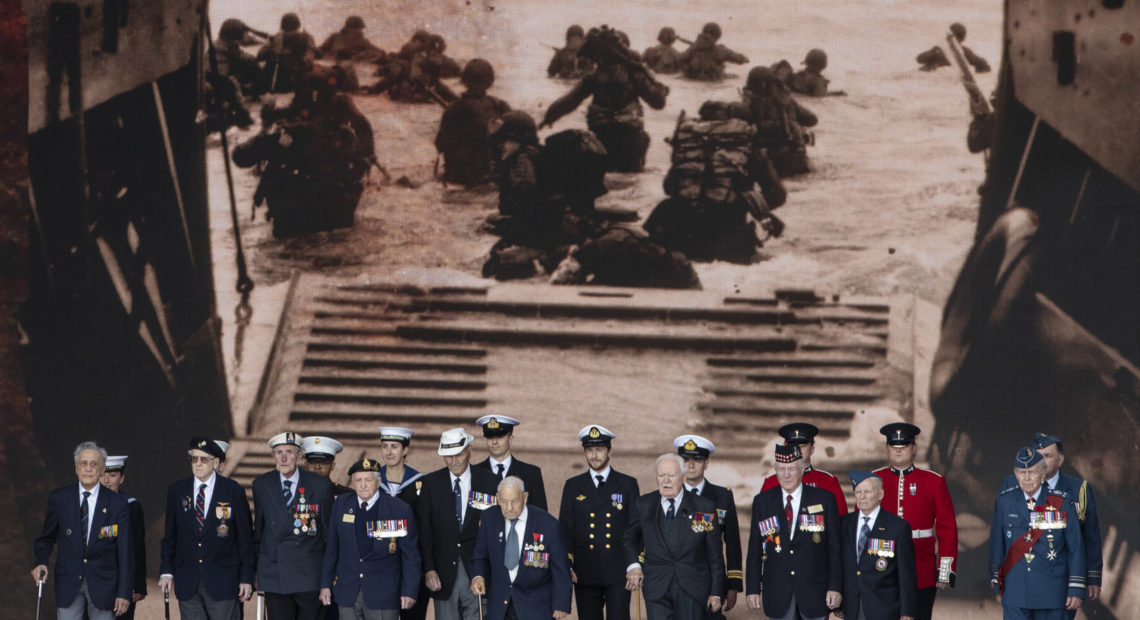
207 548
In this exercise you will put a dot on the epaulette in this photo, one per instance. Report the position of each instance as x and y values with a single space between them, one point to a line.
825 472
929 471
131 499
1059 493
1010 490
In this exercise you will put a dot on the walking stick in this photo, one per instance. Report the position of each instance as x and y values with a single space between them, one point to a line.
39 596
260 601
480 598
166 602
637 595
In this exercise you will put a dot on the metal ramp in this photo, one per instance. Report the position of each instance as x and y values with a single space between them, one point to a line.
648 364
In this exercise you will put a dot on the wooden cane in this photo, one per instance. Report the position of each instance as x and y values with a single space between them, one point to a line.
480 598
637 595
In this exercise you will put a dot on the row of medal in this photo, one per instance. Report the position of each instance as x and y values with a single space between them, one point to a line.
480 501
223 512
305 516
1047 520
703 522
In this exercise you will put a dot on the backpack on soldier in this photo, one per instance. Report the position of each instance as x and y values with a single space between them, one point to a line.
710 159
573 165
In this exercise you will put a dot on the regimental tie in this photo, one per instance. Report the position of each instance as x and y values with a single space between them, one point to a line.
511 553
285 492
864 535
601 480
458 502
788 513
84 518
669 514
502 471
200 507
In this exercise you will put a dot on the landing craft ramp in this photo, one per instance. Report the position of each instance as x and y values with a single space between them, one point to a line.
353 355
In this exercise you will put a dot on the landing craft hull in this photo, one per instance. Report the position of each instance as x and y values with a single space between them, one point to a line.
123 341
1041 332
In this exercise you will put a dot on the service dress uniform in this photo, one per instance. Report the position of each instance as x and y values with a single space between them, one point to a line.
531 475
1037 556
922 498
594 512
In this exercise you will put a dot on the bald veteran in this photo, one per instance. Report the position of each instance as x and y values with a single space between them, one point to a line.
291 508
1037 556
320 458
696 450
372 561
207 544
594 513
499 432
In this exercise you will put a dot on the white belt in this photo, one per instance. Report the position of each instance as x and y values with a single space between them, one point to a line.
916 534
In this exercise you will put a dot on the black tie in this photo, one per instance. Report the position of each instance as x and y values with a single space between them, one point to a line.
502 473
84 517
601 480
670 513
458 502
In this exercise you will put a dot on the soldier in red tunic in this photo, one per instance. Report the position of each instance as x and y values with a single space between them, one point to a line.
921 497
803 435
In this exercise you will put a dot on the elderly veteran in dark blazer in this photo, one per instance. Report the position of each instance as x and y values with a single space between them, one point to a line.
93 569
449 510
372 561
207 544
794 568
879 578
499 432
678 535
520 562
291 508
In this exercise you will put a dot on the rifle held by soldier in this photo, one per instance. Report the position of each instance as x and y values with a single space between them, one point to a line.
979 106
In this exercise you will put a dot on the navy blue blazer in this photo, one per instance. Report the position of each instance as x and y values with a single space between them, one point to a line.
802 566
221 557
384 575
541 585
107 565
1057 567
887 586
443 543
289 559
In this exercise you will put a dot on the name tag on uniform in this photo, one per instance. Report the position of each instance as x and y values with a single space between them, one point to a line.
815 509
349 518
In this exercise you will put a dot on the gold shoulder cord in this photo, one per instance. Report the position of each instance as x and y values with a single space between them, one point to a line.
1083 501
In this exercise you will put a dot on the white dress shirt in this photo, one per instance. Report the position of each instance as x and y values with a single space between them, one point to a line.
605 474
859 526
296 478
520 529
506 463
370 502
697 489
464 489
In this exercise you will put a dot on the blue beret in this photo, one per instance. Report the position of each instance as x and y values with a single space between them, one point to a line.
1026 457
1043 440
857 477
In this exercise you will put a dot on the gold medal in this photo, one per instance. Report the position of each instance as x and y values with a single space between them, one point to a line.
391 545
815 537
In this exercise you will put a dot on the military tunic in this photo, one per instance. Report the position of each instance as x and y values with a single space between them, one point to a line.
921 497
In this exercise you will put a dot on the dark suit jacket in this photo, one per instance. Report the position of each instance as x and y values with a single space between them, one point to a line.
537 590
586 510
289 562
885 586
221 557
440 534
531 476
809 572
730 531
386 576
138 542
695 563
106 566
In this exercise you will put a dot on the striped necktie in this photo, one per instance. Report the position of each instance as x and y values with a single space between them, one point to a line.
84 518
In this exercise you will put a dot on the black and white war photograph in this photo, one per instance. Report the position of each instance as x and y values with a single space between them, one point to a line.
574 309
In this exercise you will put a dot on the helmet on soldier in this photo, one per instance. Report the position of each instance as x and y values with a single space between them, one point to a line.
421 36
478 74
575 31
354 21
816 60
290 22
959 31
759 76
232 30
436 43
517 125
712 29
667 36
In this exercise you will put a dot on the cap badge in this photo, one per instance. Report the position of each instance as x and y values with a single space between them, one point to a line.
796 434
898 434
492 424
202 444
690 445
366 464
316 440
594 432
290 438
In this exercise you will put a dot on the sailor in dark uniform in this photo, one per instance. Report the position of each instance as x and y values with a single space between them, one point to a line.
696 450
499 431
401 480
113 477
320 458
1080 494
594 514
1037 556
